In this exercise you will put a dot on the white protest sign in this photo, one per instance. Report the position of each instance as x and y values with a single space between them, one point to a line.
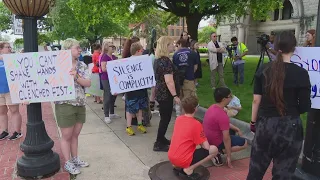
309 59
17 26
130 74
39 76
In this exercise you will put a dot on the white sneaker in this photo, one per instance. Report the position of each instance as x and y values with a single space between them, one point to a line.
79 163
107 120
71 168
114 116
123 98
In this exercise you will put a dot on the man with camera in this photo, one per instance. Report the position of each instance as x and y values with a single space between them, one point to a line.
270 47
240 52
215 50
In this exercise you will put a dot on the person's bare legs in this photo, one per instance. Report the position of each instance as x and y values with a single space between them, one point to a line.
237 148
129 119
66 142
74 139
16 117
3 118
213 151
139 117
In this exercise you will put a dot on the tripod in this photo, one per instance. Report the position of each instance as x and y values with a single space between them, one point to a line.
261 60
230 58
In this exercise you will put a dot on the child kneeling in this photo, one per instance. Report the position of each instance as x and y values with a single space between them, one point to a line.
187 134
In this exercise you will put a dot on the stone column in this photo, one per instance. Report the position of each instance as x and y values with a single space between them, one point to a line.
241 33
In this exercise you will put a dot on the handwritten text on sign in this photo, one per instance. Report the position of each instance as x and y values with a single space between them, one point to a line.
309 59
40 76
130 74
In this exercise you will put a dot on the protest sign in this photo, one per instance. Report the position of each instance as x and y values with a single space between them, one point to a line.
39 76
309 59
130 74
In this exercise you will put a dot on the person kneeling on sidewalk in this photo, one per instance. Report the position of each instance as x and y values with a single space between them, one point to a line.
216 125
187 134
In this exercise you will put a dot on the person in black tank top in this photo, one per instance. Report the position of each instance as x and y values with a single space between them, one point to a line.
281 94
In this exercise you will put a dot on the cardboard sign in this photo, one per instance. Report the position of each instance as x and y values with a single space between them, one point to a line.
308 58
130 74
39 76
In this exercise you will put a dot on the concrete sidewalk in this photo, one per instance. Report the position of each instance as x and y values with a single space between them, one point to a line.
113 154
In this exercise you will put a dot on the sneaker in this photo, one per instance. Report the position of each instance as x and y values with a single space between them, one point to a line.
107 120
160 147
15 136
130 131
123 98
142 129
71 168
4 135
78 162
114 116
217 161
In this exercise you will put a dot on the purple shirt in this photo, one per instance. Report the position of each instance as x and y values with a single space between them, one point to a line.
105 58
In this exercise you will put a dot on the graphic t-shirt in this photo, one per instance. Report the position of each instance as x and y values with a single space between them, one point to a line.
105 58
4 88
185 59
215 121
187 134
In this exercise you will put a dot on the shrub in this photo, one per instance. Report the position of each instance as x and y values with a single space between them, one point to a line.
203 50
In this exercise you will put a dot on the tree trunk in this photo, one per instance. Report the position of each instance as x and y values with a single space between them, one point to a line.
193 21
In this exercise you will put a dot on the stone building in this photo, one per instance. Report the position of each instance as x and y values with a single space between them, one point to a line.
297 16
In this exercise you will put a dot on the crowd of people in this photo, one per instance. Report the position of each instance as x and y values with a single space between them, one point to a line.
281 94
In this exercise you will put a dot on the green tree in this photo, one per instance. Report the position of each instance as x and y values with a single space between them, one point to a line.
5 18
83 20
204 34
195 10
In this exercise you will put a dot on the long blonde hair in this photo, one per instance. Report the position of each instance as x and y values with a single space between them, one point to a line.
105 47
162 46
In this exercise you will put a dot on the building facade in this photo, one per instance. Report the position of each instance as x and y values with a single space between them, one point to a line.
297 16
176 29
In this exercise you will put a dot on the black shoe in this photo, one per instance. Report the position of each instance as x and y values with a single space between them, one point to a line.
4 135
160 147
15 136
217 161
166 142
193 176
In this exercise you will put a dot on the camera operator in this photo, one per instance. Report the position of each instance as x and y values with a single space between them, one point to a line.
240 52
270 47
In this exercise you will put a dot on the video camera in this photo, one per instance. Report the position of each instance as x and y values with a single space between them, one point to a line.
263 39
231 48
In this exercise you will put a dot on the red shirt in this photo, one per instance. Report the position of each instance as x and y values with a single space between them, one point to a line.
215 121
95 61
187 134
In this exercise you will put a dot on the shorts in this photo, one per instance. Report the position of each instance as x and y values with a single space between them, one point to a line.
68 115
235 141
5 99
188 89
198 155
136 104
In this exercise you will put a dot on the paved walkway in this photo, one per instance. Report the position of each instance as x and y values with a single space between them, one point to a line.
10 150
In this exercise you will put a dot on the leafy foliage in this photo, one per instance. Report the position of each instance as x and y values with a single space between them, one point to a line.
5 18
204 34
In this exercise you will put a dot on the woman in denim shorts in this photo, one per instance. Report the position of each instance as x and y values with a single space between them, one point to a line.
71 114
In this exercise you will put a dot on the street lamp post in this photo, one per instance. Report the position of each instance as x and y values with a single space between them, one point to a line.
38 159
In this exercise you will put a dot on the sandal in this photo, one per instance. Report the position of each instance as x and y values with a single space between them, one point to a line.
193 176
152 103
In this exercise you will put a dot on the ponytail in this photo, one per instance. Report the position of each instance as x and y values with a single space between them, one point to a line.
274 75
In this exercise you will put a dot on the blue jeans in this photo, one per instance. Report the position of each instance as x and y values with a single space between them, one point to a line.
238 69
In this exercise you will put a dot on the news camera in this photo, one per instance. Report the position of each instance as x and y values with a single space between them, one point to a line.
263 39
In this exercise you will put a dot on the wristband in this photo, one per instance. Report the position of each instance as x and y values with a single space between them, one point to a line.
175 96
253 123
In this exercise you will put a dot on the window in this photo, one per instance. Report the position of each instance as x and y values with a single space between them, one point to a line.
276 15
177 32
287 10
172 32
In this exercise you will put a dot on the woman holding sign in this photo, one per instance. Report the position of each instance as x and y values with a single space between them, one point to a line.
167 89
71 114
281 94
5 102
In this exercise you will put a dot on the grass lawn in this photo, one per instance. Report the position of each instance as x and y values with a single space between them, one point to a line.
244 92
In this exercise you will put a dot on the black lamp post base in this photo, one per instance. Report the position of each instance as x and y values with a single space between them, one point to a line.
38 165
